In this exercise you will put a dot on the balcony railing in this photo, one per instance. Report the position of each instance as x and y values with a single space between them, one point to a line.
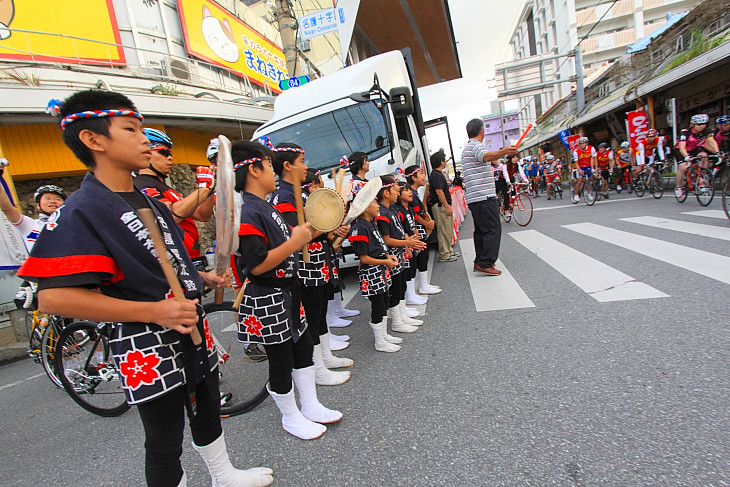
160 66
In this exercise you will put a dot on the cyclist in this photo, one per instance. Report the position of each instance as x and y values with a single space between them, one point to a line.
696 141
605 162
722 133
650 148
584 159
551 169
533 171
624 158
198 205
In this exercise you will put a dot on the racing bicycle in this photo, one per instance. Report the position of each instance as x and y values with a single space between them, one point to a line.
699 180
520 205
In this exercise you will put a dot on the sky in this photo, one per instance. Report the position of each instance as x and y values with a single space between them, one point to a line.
482 29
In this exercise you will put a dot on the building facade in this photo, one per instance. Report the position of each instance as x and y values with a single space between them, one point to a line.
500 128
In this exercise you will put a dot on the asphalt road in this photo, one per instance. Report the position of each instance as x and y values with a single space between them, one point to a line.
562 378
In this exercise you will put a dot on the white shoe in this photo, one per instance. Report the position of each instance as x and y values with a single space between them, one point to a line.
339 338
408 312
396 324
618 187
390 338
341 311
423 286
381 345
292 419
224 474
312 409
334 321
407 319
338 345
411 297
330 361
325 376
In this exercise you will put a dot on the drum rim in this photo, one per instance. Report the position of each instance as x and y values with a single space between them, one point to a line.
342 212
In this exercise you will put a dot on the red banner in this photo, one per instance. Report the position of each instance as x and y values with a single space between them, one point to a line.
638 126
573 142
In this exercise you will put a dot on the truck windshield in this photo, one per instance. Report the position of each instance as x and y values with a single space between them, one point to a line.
328 137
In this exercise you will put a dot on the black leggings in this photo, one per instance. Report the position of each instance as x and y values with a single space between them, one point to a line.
379 306
422 260
283 357
314 300
397 289
502 189
163 420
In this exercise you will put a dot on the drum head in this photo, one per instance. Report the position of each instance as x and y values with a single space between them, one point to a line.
325 210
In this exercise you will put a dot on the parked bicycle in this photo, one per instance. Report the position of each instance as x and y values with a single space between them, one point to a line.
520 205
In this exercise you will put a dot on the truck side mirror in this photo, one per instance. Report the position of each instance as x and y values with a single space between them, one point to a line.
401 101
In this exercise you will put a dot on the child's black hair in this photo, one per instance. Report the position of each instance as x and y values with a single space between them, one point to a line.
386 180
83 101
357 160
403 187
285 156
244 149
411 170
312 177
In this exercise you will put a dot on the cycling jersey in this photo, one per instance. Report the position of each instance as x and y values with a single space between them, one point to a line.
30 229
533 169
603 158
721 137
624 158
583 156
650 150
550 168
693 140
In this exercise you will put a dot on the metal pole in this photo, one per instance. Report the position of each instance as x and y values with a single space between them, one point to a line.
287 28
674 128
579 90
501 124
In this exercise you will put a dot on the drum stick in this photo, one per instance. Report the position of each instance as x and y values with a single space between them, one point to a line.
524 134
300 209
149 220
241 293
340 179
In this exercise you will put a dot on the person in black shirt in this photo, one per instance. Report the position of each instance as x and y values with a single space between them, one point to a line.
440 201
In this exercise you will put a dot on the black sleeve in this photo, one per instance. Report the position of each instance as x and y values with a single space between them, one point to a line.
253 251
383 225
360 248
291 218
89 280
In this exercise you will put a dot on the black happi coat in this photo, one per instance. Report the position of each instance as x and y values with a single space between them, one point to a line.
367 240
389 224
97 232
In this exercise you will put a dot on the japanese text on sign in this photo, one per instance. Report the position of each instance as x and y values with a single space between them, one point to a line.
320 23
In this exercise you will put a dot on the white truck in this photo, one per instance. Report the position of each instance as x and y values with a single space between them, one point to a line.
371 106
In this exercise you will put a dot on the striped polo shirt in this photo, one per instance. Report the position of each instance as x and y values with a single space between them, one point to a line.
478 177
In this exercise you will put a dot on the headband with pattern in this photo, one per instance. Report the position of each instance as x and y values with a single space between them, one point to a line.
344 161
246 162
412 173
288 149
97 114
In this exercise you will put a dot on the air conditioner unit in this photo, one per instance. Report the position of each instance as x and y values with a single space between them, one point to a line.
179 69
304 45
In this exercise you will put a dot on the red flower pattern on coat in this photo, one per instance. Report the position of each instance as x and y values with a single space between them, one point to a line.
326 271
364 285
335 272
315 246
253 326
387 273
209 342
301 311
280 272
138 368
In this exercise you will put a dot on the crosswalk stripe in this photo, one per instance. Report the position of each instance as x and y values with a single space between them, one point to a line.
492 293
602 282
704 263
722 233
707 213
581 202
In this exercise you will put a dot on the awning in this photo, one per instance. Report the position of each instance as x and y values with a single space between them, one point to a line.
644 42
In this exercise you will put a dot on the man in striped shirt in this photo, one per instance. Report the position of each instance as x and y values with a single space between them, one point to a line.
481 196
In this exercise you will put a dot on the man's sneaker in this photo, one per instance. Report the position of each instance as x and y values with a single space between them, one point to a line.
576 198
548 198
507 213
618 187
605 195
450 258
456 254
225 397
254 353
678 192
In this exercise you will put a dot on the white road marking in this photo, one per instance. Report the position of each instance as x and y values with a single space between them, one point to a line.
707 213
581 202
704 263
18 382
602 282
492 293
712 231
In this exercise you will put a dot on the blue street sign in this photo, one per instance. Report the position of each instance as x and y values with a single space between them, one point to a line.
285 84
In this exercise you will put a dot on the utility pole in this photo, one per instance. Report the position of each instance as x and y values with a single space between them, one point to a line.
288 30
579 90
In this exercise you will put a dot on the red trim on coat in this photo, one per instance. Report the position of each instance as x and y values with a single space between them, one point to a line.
72 264
248 229
285 207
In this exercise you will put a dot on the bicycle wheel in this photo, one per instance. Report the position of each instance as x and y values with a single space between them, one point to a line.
598 184
89 374
704 187
557 189
240 375
640 186
589 193
522 209
656 185
48 349
726 197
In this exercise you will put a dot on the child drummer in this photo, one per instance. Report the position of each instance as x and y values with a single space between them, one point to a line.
271 313
95 260
315 275
374 273
398 243
408 220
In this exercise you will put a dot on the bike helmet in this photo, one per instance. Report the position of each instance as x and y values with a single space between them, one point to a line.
700 118
603 145
625 145
723 119
49 188
158 137
583 140
651 133
212 152
550 157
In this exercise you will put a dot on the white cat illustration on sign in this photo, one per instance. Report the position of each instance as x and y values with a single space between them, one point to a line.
219 36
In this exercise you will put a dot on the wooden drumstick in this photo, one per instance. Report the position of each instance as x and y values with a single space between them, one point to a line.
300 209
149 220
241 293
340 179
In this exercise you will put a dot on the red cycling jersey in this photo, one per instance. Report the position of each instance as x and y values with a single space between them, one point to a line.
584 156
603 158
